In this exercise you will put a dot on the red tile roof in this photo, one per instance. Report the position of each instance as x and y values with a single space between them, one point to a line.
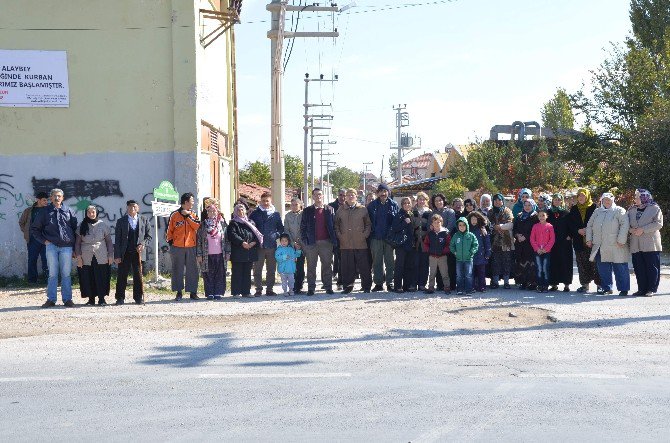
252 192
422 161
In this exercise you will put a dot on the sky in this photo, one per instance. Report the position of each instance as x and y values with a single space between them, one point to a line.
460 67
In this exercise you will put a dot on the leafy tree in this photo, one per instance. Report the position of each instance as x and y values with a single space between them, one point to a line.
293 167
256 172
650 20
343 177
451 188
393 164
557 112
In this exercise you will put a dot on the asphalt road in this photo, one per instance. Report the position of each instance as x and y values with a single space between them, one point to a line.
601 373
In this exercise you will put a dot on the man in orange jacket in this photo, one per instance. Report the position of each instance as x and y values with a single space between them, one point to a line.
182 227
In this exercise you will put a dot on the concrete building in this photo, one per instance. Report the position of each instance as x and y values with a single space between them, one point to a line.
151 97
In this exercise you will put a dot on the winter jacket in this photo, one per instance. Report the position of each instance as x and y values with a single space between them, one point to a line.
436 244
502 241
202 246
237 234
463 245
399 225
542 237
268 222
292 226
484 249
606 228
286 256
651 221
182 230
381 217
57 226
352 226
576 223
27 218
308 225
448 217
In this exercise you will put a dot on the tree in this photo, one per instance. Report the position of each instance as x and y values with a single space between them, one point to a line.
451 188
650 20
293 167
256 172
557 112
343 177
393 165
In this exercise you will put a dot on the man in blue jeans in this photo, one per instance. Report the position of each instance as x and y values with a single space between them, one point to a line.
55 228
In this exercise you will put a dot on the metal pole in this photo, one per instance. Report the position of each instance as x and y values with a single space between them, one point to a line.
156 246
306 196
311 148
277 156
399 167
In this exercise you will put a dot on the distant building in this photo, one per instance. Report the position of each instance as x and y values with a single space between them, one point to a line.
434 164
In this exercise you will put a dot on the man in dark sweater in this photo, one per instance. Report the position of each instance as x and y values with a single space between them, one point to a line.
132 235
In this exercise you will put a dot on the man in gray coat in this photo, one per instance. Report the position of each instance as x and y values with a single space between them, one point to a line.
292 221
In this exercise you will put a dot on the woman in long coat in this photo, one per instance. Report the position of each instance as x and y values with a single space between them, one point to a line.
526 269
212 250
94 251
244 242
646 221
580 213
439 206
561 253
607 235
502 242
406 222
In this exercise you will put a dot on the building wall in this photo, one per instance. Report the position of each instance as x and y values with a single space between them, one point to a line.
134 114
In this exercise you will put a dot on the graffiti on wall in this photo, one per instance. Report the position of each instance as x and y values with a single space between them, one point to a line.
79 188
12 202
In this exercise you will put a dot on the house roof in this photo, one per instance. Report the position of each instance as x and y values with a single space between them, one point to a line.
426 184
404 179
422 161
252 192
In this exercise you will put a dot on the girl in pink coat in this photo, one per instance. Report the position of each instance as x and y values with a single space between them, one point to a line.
542 239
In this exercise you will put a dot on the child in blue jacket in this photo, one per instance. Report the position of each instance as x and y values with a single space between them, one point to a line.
286 257
481 258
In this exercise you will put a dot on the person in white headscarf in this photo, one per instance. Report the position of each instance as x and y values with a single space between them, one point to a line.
485 204
607 235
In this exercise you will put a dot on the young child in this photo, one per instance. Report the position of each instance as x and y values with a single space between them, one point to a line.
542 239
286 257
481 258
436 244
464 246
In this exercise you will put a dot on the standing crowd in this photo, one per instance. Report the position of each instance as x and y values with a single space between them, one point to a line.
421 245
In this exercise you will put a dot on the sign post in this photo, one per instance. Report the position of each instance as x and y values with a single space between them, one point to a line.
164 191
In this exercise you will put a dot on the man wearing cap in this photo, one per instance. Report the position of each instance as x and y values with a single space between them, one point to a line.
35 248
339 201
132 236
382 210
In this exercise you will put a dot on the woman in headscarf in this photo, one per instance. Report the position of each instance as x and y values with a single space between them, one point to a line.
607 235
646 220
524 194
212 250
244 241
485 204
561 253
502 242
544 202
580 213
94 251
526 269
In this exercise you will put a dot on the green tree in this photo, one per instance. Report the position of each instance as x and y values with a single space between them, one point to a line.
451 188
393 164
557 112
293 167
650 20
256 172
343 177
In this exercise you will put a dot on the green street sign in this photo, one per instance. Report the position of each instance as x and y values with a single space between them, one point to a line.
166 191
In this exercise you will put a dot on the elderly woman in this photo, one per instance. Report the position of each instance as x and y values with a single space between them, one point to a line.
244 241
561 253
580 213
424 213
212 250
94 251
485 204
607 236
526 269
646 220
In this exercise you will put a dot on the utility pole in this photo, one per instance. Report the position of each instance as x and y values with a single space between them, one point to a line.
312 142
277 34
402 142
308 117
326 155
365 176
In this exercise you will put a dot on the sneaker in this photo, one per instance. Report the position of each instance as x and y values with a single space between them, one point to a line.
582 289
553 288
623 293
179 296
194 296
48 304
69 304
210 297
377 288
649 294
429 291
610 292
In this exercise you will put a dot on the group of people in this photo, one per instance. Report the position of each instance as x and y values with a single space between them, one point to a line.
422 244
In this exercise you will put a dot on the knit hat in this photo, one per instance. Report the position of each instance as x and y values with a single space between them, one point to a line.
383 187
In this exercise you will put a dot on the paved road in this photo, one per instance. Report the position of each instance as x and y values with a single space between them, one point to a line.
602 372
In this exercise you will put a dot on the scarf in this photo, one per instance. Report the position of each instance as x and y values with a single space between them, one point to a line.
587 204
246 221
269 211
645 198
518 206
86 222
212 223
526 215
610 196
481 199
500 197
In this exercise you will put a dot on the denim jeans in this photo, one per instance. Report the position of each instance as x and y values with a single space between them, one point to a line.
621 275
59 260
543 263
35 251
463 276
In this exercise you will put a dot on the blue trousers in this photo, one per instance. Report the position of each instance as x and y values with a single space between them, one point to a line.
35 251
621 275
543 263
59 260
463 276
647 266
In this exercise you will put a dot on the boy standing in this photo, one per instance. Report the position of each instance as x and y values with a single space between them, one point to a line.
436 244
464 246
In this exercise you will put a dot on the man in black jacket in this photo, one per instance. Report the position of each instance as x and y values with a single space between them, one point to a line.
317 234
132 235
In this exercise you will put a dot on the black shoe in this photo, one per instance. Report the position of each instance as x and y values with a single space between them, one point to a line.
258 292
69 304
347 290
389 287
102 302
48 304
428 291
623 293
179 296
421 288
194 296
366 291
494 285
139 302
582 289
329 291
566 288
90 302
119 302
298 292
270 293
399 291
507 286
553 288
377 288
310 292
523 286
532 287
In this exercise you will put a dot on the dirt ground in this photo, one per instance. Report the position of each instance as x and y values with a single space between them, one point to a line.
298 316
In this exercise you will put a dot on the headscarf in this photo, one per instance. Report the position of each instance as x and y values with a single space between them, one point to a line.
546 200
245 220
481 199
645 198
518 206
87 221
611 197
587 204
500 197
212 223
559 196
524 214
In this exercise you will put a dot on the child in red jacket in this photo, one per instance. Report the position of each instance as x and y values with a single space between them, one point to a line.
436 244
542 239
